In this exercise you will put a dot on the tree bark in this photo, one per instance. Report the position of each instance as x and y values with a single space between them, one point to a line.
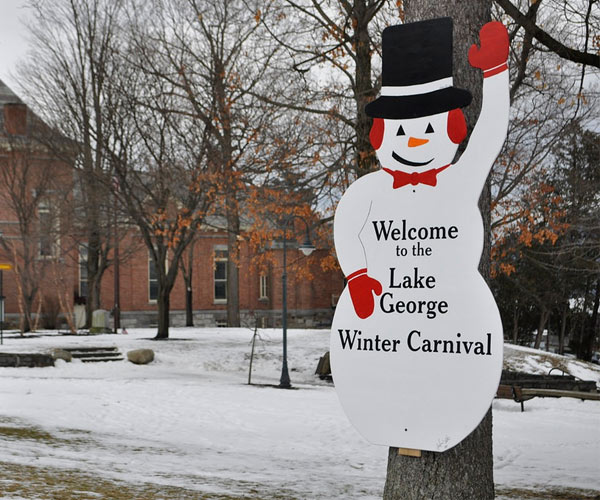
26 324
163 313
540 331
187 270
233 273
515 335
365 158
189 312
589 338
465 471
95 269
563 328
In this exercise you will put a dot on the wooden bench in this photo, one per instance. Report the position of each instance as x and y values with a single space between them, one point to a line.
513 392
522 394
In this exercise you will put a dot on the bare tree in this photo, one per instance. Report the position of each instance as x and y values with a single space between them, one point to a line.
35 187
216 57
569 17
547 96
157 150
331 47
71 62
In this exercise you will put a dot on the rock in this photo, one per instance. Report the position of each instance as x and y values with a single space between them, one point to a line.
141 356
100 322
324 367
62 354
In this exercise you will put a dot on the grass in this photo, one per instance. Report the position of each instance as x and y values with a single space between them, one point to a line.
52 483
546 494
41 482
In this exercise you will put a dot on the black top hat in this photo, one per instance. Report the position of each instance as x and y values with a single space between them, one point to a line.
417 72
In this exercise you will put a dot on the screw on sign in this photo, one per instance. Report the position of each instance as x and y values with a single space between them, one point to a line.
416 341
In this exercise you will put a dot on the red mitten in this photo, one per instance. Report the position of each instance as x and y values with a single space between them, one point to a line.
493 54
361 288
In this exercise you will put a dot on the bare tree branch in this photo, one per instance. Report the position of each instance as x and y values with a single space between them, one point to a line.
545 39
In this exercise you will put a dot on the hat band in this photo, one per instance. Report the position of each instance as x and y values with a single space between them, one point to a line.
422 88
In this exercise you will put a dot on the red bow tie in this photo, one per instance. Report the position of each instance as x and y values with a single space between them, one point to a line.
428 177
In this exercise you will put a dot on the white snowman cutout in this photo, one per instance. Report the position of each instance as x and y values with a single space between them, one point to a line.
416 341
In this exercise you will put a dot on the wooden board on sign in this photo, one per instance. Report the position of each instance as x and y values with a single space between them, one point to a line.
409 452
5 267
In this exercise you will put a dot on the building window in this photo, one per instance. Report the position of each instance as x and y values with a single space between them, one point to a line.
263 287
220 275
83 271
152 280
48 229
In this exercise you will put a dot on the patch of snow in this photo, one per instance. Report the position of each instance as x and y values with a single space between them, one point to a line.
189 419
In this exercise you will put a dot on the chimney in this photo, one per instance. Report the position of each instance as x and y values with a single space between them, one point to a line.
15 118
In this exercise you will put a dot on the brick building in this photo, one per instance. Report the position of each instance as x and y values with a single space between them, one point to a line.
59 258
309 302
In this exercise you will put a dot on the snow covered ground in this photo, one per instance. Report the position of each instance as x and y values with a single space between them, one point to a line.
189 426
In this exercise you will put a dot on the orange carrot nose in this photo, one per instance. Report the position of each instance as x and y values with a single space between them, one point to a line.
413 142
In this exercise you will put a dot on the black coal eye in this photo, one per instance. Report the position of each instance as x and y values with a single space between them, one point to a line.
429 129
400 131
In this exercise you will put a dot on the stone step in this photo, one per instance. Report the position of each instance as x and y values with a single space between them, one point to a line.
95 354
31 360
100 360
90 349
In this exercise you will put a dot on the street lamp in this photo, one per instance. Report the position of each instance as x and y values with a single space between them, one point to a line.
306 248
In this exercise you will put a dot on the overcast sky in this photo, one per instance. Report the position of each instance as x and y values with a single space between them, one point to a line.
13 44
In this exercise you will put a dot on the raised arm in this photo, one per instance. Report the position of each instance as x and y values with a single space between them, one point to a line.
490 131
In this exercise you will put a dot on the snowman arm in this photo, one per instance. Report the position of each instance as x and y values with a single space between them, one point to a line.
489 133
350 218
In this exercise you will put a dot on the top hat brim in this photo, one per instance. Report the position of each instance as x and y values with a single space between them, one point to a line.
418 105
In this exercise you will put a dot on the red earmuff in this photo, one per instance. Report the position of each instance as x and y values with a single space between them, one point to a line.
376 134
457 126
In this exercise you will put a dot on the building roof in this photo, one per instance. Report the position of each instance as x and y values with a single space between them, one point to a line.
36 127
7 96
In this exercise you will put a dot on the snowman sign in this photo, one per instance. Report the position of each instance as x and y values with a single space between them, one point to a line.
416 341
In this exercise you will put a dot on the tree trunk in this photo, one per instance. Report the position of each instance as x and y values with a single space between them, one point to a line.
166 279
163 312
591 332
232 187
581 334
365 159
28 292
465 471
188 274
189 312
540 331
233 273
515 335
93 266
563 329
26 323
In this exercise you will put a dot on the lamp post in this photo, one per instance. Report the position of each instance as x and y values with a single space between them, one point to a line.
117 287
3 267
306 248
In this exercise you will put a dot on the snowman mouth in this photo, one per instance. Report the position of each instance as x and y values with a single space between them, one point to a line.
404 161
